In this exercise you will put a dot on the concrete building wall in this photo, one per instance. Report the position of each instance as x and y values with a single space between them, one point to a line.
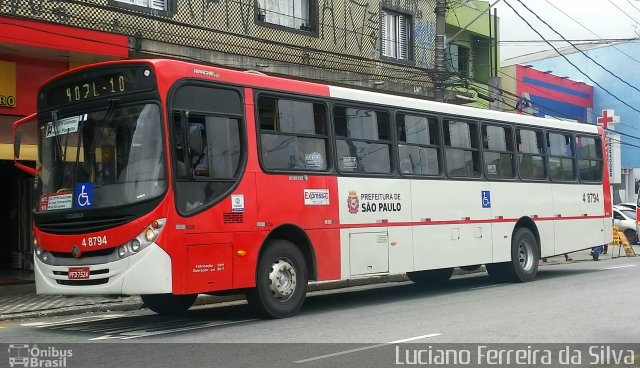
341 44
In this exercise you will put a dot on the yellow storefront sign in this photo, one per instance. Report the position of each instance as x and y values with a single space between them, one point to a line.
7 84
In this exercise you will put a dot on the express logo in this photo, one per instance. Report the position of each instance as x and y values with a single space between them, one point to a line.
353 202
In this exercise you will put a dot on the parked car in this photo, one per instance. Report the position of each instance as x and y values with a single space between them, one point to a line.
631 206
625 219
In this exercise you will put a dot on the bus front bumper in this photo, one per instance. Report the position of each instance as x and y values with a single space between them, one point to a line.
147 272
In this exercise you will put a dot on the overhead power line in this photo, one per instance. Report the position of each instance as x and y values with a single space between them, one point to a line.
584 40
570 62
574 46
630 3
624 12
590 31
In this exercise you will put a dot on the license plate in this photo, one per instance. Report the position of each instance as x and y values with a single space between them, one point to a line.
78 273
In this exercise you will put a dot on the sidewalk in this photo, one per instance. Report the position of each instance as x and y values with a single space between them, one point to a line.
585 255
18 298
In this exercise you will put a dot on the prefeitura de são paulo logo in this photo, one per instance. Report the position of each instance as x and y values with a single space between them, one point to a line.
353 202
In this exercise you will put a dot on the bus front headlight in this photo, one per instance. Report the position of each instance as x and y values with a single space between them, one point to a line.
135 245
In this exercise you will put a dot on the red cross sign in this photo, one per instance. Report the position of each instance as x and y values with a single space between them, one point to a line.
608 117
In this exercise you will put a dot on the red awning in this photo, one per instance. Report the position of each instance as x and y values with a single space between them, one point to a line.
58 37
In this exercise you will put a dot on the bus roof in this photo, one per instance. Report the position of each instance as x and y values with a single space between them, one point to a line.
183 69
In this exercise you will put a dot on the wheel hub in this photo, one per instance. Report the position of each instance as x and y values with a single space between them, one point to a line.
282 280
525 255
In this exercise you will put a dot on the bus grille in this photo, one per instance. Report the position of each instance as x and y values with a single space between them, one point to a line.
93 253
83 282
82 226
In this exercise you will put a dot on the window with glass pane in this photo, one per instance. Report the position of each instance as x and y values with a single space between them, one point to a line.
462 154
498 151
363 140
294 14
561 157
590 159
150 4
458 59
418 145
292 134
531 159
395 35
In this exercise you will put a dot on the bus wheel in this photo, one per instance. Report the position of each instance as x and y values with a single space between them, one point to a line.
281 281
431 277
523 266
168 304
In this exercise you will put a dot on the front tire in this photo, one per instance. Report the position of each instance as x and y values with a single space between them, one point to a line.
169 304
281 281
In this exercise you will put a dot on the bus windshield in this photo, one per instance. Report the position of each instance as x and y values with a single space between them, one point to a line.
107 157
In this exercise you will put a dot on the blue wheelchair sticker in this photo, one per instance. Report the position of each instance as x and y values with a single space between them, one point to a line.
83 195
486 199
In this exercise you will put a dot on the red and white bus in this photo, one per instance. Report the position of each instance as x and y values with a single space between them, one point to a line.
168 179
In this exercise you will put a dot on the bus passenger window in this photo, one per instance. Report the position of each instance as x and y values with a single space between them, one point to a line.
363 140
462 153
497 142
590 159
293 135
561 157
531 159
418 145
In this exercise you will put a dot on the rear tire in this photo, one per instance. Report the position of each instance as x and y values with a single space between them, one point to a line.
523 266
431 277
281 281
169 304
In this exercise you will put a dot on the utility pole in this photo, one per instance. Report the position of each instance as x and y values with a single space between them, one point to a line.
441 8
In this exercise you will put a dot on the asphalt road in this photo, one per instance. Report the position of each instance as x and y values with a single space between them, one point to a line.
595 303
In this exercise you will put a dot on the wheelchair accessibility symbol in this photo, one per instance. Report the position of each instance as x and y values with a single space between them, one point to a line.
83 195
486 199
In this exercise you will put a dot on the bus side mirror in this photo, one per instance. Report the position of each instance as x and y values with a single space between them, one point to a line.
16 144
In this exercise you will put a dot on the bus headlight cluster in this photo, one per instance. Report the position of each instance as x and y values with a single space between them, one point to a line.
143 240
42 254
